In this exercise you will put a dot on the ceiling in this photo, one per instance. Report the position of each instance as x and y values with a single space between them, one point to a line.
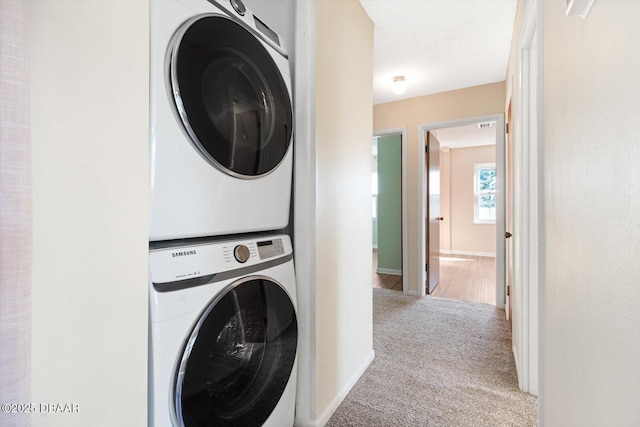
439 45
466 136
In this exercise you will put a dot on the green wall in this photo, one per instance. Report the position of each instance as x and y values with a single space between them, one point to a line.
375 233
390 203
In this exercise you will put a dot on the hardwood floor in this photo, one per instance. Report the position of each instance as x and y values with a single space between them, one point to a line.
385 281
467 278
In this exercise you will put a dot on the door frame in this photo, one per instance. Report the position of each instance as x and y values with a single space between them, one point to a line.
405 218
528 207
423 128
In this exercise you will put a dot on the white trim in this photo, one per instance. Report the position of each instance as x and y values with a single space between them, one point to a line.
305 207
514 350
391 271
468 253
423 128
375 246
405 204
326 415
528 243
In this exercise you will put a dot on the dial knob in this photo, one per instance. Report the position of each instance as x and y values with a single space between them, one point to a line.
241 253
239 7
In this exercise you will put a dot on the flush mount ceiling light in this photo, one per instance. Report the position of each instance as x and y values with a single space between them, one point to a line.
399 85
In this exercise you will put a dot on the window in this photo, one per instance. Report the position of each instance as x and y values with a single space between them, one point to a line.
484 191
374 181
374 193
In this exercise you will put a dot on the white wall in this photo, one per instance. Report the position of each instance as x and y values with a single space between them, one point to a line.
89 106
591 305
344 115
333 202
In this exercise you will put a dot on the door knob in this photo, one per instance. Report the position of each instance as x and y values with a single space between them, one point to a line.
439 218
507 234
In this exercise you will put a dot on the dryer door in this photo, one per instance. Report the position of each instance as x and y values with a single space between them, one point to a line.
230 96
238 358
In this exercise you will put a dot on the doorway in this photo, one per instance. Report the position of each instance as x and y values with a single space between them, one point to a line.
389 209
467 211
459 251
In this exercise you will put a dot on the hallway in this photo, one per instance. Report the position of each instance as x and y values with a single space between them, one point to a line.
438 362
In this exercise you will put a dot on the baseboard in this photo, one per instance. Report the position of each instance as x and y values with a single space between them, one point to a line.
328 412
515 361
487 254
389 271
448 252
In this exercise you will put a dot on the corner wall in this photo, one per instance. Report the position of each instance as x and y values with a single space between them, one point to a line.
591 149
89 123
343 119
410 113
332 199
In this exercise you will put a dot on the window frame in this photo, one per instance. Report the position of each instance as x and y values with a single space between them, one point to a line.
477 193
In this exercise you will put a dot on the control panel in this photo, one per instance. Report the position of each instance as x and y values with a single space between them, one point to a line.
188 262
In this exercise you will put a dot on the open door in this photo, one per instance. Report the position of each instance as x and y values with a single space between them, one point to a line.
509 216
432 221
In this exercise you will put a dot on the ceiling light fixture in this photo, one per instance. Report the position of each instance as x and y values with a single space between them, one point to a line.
399 85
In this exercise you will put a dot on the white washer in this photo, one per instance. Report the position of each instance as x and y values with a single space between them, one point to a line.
221 121
223 334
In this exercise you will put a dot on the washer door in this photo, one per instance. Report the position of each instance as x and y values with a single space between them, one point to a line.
230 95
238 358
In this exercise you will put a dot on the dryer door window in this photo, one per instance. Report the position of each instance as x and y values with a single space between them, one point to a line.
230 96
238 358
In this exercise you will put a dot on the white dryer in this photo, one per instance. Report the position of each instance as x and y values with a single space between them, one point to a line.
221 121
223 334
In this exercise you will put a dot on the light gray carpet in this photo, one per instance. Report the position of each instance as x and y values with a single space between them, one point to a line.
438 362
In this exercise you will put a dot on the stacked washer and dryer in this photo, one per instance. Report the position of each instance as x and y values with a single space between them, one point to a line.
223 327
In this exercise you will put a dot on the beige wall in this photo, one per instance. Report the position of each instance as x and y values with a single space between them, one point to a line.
339 161
591 305
463 103
456 201
89 107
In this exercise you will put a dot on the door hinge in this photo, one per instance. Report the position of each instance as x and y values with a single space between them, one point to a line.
426 148
506 128
426 267
508 290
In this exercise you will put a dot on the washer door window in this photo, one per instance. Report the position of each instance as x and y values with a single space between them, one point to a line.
230 95
239 357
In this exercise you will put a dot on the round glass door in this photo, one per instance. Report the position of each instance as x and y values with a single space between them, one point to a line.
230 96
238 358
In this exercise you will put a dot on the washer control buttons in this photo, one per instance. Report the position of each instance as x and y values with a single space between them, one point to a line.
241 253
239 7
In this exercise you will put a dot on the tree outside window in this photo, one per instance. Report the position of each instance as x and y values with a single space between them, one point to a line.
484 193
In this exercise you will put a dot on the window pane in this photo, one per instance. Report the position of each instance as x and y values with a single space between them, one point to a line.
374 211
374 183
485 193
487 179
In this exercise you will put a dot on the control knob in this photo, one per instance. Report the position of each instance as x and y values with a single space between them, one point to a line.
239 7
241 253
